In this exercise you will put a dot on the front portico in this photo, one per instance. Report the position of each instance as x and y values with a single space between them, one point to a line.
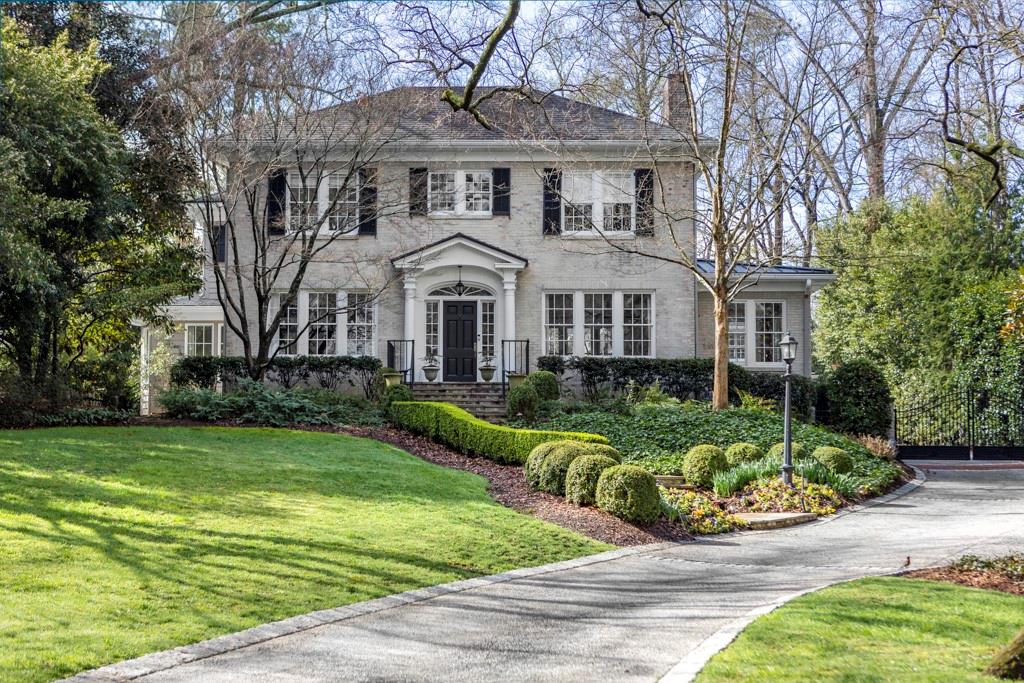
460 305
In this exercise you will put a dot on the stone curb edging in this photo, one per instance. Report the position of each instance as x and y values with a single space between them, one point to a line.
686 670
158 661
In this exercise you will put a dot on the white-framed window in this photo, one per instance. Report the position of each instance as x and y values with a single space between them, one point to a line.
199 340
637 324
487 329
433 327
768 323
559 329
755 330
608 323
359 324
343 203
322 332
288 330
303 208
597 324
738 331
598 200
459 193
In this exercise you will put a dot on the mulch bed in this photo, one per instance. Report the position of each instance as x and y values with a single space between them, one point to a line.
507 485
991 580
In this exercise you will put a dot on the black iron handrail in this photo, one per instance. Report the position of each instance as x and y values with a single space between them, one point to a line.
402 358
515 360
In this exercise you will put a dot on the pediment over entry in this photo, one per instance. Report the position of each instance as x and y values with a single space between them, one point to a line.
459 249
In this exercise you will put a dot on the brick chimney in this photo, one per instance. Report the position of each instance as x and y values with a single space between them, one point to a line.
676 104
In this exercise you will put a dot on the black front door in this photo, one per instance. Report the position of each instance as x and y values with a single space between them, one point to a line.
459 351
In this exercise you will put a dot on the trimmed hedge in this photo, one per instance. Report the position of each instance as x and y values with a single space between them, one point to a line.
582 476
545 383
739 453
701 463
630 493
682 378
836 459
329 372
857 399
457 428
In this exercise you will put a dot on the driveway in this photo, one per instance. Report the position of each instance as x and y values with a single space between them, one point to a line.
624 616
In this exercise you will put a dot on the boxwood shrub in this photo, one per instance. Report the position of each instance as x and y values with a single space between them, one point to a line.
836 459
582 476
701 463
523 401
630 493
545 383
329 372
457 428
742 452
553 468
796 449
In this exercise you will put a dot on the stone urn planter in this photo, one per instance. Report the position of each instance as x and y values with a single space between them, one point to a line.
487 372
515 379
391 377
430 372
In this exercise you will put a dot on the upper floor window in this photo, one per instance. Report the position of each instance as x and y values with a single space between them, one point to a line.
598 200
459 193
303 212
343 203
327 201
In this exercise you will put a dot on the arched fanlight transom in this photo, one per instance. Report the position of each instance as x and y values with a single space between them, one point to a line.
469 290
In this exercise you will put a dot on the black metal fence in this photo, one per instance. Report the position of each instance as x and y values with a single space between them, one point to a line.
402 358
961 424
515 360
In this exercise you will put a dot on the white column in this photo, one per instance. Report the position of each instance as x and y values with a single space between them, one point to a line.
509 279
409 323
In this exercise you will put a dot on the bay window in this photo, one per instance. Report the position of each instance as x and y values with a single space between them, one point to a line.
611 323
459 193
598 200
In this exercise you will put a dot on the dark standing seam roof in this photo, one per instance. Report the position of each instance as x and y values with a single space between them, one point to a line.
708 266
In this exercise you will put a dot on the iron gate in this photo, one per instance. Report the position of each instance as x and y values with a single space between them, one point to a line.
963 424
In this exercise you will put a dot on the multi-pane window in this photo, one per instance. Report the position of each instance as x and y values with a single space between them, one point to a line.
606 198
302 203
637 324
343 203
199 340
597 324
738 331
359 324
558 324
767 332
487 329
322 329
433 328
578 202
442 195
478 192
288 330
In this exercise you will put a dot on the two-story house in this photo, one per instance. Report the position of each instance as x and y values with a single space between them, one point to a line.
474 241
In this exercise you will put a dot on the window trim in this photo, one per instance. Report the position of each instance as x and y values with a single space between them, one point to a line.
598 185
460 193
750 322
618 324
322 200
189 341
340 322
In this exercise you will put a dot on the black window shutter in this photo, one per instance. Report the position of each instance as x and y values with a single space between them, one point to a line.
552 201
277 190
418 191
501 190
220 243
644 187
367 201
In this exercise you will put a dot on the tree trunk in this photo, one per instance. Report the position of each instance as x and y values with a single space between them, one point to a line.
720 394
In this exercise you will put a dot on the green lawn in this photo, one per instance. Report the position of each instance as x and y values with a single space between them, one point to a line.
124 540
885 629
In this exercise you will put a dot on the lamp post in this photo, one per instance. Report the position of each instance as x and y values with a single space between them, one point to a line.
788 346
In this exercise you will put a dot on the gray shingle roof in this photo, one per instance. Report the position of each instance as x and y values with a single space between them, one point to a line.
708 266
419 113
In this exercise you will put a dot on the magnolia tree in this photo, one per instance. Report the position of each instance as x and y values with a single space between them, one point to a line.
289 156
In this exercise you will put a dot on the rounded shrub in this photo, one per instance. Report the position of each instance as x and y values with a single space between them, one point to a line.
702 462
628 492
398 392
544 383
739 453
857 399
533 461
582 475
603 449
553 468
836 459
523 400
797 448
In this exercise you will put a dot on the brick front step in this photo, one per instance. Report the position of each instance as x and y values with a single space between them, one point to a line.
483 400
